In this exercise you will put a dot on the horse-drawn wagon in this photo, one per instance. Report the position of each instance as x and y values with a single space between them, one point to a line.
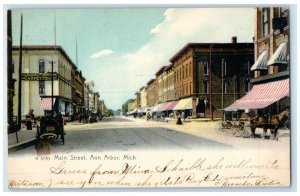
51 127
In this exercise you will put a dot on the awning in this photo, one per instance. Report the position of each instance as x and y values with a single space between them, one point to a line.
279 55
262 95
46 103
184 104
261 62
157 107
169 106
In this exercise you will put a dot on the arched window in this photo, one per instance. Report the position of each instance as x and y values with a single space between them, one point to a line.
41 66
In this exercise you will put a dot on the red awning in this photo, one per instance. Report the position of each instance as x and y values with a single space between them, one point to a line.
46 103
262 95
169 106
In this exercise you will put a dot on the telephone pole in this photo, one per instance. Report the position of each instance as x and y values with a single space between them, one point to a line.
210 84
10 82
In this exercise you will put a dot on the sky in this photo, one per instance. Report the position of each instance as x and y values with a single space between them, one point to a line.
121 49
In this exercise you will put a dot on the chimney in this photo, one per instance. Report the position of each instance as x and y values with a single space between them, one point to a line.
234 40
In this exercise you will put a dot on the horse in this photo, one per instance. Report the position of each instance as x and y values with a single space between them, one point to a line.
273 123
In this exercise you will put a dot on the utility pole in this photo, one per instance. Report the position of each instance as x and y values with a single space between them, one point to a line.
222 81
52 110
20 81
10 83
210 84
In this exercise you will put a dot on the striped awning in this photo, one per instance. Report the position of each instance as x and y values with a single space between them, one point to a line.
279 55
46 103
262 95
184 104
169 106
157 107
261 62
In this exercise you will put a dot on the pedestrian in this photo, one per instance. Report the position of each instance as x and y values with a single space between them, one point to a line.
79 117
178 122
183 115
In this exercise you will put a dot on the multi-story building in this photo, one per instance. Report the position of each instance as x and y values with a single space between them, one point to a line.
152 93
96 101
169 93
138 100
143 95
132 106
160 84
88 96
210 76
37 64
270 92
78 91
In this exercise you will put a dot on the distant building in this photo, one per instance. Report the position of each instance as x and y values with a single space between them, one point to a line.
78 91
152 93
169 93
143 95
36 79
160 75
132 106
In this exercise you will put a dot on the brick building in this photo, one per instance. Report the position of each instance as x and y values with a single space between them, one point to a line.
203 70
152 93
160 75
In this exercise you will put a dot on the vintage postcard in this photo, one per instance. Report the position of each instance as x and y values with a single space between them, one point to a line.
148 97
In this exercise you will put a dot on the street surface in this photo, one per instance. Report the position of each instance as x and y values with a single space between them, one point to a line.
129 134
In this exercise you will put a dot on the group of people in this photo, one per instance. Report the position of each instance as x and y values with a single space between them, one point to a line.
88 117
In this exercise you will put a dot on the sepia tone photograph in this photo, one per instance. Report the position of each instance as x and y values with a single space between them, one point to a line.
148 98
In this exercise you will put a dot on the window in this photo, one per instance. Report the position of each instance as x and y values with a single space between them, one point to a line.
247 68
206 87
41 87
205 68
225 87
247 86
186 71
225 68
41 66
265 22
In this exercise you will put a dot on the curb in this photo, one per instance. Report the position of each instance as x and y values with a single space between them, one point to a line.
20 145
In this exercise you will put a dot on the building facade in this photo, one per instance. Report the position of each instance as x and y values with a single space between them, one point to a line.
212 75
160 75
272 62
143 95
78 91
169 93
152 93
36 82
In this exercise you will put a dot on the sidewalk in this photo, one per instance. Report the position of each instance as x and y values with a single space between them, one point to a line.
25 137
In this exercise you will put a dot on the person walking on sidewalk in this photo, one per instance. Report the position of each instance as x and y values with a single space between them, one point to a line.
178 122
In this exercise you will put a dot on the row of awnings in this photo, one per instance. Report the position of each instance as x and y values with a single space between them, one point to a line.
279 56
262 95
182 104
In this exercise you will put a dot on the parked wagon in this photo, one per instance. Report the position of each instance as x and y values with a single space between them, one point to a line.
51 127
